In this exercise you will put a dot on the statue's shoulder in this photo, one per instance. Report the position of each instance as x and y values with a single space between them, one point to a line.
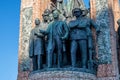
60 21
72 21
87 19
50 24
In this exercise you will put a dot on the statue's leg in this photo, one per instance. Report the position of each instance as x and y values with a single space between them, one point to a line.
90 49
59 50
34 60
73 52
54 58
83 48
49 58
65 58
46 52
39 61
50 55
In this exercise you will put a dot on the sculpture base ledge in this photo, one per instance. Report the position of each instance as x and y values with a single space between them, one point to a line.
61 75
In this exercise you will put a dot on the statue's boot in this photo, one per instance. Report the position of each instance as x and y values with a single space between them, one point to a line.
73 59
49 59
39 62
34 60
59 60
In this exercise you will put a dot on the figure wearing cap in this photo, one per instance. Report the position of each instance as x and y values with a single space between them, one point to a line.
79 32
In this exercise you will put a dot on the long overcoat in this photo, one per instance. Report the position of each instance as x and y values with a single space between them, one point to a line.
36 42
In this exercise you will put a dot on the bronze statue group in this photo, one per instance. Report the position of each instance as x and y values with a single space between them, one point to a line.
55 43
63 43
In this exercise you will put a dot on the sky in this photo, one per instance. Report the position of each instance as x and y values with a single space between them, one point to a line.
9 36
9 32
86 3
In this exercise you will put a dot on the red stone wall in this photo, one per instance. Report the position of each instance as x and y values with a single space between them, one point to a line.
22 75
109 71
38 8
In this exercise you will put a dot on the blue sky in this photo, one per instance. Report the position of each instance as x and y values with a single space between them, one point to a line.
86 3
9 35
9 32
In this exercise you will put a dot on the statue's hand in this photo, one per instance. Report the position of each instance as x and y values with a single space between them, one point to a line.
46 38
42 36
63 38
41 31
36 34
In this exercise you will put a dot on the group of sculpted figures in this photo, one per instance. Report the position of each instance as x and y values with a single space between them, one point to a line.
55 43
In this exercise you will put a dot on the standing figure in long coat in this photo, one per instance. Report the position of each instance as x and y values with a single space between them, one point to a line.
36 46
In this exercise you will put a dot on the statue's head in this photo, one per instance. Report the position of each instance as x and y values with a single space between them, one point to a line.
77 12
46 14
45 17
51 17
47 11
118 22
55 14
37 21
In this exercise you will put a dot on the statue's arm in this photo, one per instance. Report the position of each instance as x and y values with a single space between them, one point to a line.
66 31
95 26
73 24
39 35
45 32
80 27
88 31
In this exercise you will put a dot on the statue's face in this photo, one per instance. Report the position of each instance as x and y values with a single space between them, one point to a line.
51 17
55 14
46 17
77 13
37 21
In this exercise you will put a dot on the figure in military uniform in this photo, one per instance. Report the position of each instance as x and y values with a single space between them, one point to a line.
79 32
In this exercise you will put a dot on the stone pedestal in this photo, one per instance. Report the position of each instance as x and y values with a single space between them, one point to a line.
61 75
